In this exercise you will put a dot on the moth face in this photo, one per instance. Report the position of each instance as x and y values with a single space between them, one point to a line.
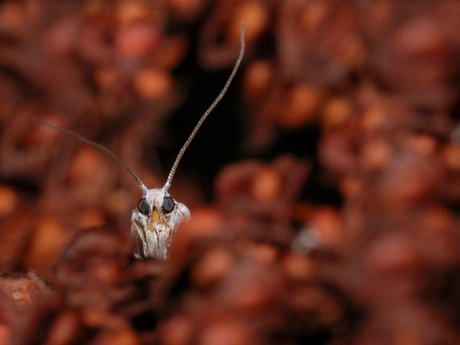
154 223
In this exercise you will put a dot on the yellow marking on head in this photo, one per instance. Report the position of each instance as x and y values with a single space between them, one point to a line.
155 216
155 221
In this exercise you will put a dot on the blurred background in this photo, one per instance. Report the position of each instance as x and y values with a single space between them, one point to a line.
324 188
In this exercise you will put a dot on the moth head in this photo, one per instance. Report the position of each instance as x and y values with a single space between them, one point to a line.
154 222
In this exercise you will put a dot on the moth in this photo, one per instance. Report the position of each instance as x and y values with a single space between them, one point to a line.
157 216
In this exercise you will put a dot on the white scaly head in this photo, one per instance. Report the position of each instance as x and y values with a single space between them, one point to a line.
157 216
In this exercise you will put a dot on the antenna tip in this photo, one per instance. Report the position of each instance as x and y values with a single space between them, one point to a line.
36 119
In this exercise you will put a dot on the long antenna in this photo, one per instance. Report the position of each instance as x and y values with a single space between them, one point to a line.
98 146
205 115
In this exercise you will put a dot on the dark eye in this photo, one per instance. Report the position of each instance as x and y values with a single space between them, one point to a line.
168 205
143 207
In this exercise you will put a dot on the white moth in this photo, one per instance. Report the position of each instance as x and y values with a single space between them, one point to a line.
157 216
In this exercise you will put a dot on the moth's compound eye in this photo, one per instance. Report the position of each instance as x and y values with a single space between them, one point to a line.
143 207
168 205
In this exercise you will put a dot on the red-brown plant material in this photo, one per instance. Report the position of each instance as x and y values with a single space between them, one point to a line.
324 189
